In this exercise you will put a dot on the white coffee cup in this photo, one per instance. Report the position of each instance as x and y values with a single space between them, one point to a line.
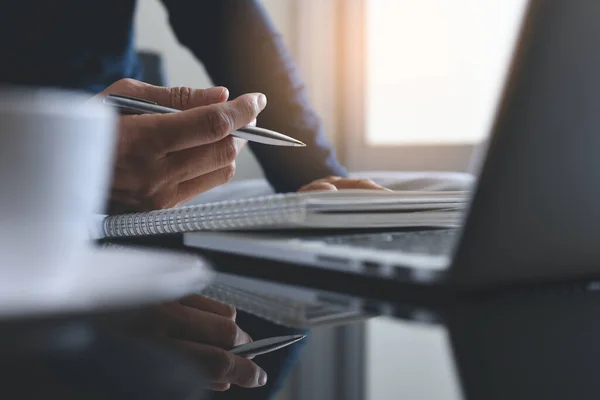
56 156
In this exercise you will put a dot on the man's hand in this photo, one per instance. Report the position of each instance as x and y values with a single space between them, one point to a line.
165 160
205 329
335 182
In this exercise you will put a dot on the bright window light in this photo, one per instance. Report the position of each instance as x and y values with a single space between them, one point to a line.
436 68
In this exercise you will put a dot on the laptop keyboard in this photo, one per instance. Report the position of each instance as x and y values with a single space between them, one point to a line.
433 242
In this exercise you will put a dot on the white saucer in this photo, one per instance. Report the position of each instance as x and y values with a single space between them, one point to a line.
112 278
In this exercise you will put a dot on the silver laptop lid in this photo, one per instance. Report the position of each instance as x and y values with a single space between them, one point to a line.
535 208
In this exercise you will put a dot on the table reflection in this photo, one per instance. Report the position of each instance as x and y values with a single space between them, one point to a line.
409 360
534 344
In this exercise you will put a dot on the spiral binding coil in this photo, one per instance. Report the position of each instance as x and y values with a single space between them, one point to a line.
266 211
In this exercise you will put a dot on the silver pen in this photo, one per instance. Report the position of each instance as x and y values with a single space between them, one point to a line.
132 105
265 346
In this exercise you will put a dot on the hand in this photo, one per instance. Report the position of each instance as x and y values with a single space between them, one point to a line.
164 160
333 183
205 329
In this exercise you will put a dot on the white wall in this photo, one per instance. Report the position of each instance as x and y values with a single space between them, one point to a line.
154 33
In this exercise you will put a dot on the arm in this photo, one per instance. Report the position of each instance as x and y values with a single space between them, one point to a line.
242 51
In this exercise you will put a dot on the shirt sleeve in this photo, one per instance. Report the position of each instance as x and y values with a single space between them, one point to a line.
241 50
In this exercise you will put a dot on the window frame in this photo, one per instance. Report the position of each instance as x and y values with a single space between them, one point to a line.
358 154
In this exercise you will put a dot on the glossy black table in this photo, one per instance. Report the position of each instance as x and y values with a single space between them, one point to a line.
90 356
529 342
538 344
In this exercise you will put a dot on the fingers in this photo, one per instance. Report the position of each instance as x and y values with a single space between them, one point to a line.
190 163
223 367
158 194
205 304
149 183
160 159
190 324
185 98
190 189
240 143
199 126
219 387
335 182
181 98
318 186
357 184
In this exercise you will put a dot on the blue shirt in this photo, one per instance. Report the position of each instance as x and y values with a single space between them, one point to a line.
89 44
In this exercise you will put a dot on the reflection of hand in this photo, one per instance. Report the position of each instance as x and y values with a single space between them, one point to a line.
164 160
205 329
335 182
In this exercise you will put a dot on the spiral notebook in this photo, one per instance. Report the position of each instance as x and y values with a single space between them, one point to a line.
314 210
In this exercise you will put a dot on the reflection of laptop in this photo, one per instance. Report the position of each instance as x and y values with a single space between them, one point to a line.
534 210
279 303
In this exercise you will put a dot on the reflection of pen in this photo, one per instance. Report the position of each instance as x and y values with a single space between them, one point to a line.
132 105
264 346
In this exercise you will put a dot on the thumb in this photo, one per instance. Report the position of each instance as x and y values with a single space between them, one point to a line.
181 98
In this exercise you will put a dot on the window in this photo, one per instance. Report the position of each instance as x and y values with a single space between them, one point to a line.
435 68
420 79
406 84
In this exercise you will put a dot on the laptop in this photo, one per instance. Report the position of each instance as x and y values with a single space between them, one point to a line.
533 212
